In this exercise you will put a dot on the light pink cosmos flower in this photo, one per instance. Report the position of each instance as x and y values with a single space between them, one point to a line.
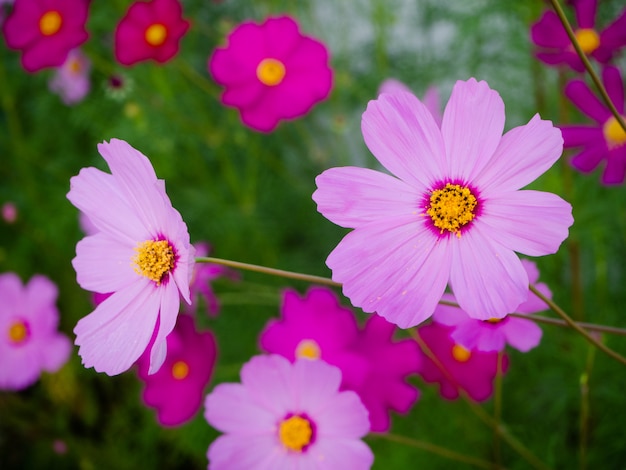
453 213
493 335
140 253
9 212
29 340
176 391
46 30
71 80
150 30
271 71
285 415
431 96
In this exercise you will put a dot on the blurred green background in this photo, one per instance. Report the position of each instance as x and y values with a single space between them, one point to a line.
249 195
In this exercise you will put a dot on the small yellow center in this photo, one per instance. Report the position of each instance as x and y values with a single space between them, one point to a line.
154 259
460 353
452 207
308 349
295 433
180 370
588 39
156 34
50 23
18 332
75 66
270 72
613 132
494 320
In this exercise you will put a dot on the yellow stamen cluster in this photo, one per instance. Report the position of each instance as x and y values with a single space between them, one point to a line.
156 34
614 133
460 353
295 433
588 40
154 259
180 370
309 349
270 72
18 332
50 23
452 207
494 320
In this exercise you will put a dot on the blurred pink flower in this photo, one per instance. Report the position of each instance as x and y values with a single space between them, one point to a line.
140 253
29 340
71 80
46 30
431 96
176 391
555 48
472 371
271 71
287 415
604 141
454 212
9 212
150 30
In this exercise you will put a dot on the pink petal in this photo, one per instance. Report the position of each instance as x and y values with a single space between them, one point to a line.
270 379
40 296
232 451
341 454
576 136
612 79
522 334
585 13
391 85
589 158
614 36
168 312
549 32
615 169
344 416
56 352
580 94
317 384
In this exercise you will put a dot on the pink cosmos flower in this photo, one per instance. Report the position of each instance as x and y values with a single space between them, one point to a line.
285 415
271 71
46 30
555 48
71 80
9 212
472 371
29 340
430 100
453 213
140 253
604 141
150 30
492 335
176 391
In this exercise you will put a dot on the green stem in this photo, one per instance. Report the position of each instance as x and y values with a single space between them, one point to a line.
497 410
584 408
587 326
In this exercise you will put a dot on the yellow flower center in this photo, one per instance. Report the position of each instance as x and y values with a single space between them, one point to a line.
588 39
75 66
156 34
270 72
18 332
154 259
50 23
460 353
494 320
308 349
613 132
180 370
452 207
295 433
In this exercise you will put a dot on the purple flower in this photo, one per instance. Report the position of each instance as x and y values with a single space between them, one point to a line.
29 340
71 80
285 415
140 253
454 212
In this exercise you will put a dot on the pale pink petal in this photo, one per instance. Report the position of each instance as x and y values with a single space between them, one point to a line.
391 85
522 334
231 452
534 304
270 378
229 408
344 416
317 385
471 335
432 102
168 312
340 453
40 295
56 352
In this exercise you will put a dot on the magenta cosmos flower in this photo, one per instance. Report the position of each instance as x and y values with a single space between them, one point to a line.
286 416
46 30
71 80
29 340
453 213
554 44
494 334
271 71
176 391
150 30
140 253
605 141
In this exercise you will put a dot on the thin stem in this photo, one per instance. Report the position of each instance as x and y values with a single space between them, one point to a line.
584 408
555 321
497 410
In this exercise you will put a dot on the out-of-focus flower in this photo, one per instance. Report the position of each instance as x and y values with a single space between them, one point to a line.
118 87
140 253
454 214
494 334
605 141
285 415
472 371
71 80
271 71
9 212
29 340
150 30
2 11
176 391
555 48
46 31
431 96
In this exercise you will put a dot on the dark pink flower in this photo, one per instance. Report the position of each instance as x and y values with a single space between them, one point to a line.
9 212
176 391
71 80
271 71
150 30
46 30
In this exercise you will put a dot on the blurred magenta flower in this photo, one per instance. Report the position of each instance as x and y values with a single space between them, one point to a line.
605 141
150 30
176 391
46 30
140 253
493 335
470 370
271 71
71 80
30 342
9 212
285 416
453 214
555 48
431 96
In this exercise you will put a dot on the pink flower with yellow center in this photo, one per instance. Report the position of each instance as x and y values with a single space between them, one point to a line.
46 30
271 72
29 340
71 80
150 30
